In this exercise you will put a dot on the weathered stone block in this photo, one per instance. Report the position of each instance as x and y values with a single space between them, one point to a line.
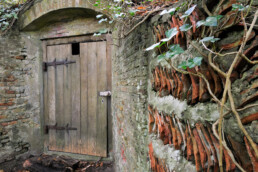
4 141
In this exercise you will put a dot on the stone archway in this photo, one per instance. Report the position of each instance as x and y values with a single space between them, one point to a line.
59 20
40 9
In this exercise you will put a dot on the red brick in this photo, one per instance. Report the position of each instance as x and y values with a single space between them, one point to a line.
3 108
9 78
7 104
24 120
10 91
2 116
8 123
21 57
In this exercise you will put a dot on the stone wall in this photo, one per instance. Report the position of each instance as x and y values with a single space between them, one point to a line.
178 109
21 80
129 100
19 98
153 126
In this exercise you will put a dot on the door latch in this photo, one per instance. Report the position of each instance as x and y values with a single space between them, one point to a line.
55 127
105 93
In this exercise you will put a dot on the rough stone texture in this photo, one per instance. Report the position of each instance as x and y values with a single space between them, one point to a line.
21 82
200 112
173 158
19 101
242 90
42 7
129 100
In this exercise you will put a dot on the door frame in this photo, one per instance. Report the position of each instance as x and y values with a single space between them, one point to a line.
69 40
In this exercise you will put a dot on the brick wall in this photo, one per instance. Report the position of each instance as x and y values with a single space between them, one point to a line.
133 91
13 99
178 120
129 100
18 125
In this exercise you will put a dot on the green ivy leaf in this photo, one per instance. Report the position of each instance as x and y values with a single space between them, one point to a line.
209 39
170 34
176 48
169 54
190 63
119 15
152 47
163 12
188 12
161 56
173 50
185 27
132 12
197 61
97 34
200 23
99 16
103 31
15 16
6 23
218 17
239 7
182 65
211 21
171 11
103 20
162 43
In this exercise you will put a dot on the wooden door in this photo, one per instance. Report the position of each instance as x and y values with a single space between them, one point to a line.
75 113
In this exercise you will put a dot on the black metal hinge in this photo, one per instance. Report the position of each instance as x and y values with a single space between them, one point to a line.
55 63
55 127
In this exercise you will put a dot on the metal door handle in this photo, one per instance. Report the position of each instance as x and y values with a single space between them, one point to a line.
105 93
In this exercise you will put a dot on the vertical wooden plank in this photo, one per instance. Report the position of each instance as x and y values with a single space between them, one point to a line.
109 62
51 98
67 98
92 97
58 113
84 97
72 96
59 76
101 121
76 105
45 94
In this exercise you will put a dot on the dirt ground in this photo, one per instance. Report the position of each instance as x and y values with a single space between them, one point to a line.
54 163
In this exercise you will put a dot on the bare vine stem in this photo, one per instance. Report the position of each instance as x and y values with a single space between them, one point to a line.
143 20
214 66
222 55
248 60
219 5
205 8
247 107
225 146
227 91
241 109
239 121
